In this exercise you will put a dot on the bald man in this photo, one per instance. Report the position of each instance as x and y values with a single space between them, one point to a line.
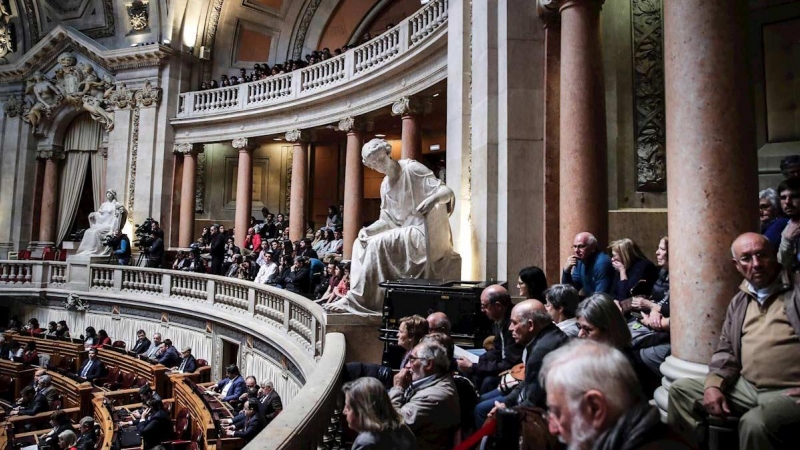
756 364
438 323
533 328
587 269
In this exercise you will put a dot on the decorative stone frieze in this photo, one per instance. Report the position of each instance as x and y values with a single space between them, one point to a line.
121 97
12 107
148 95
299 136
354 124
200 189
54 152
132 168
7 37
411 106
184 148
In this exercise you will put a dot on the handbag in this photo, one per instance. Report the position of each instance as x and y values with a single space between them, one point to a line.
511 378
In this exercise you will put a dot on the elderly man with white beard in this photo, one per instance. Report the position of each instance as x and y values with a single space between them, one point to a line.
595 402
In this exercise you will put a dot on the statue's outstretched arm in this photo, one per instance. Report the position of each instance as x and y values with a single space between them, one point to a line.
442 195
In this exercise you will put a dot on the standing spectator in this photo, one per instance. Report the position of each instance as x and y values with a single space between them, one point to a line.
789 250
155 254
769 214
123 248
587 270
369 412
790 167
217 249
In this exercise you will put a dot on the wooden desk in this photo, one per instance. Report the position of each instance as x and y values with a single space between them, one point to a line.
155 374
22 375
203 414
103 419
73 393
69 349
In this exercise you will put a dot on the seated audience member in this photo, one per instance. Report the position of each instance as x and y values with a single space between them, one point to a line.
44 386
319 241
409 334
262 250
30 355
32 403
505 353
561 303
188 363
329 248
103 338
250 384
594 401
333 272
532 328
252 424
142 344
425 395
790 167
93 368
91 339
67 440
307 250
634 273
789 250
15 350
587 270
62 330
370 413
155 425
298 278
5 348
170 356
145 395
532 283
268 268
52 328
755 367
247 271
33 327
155 349
343 287
650 334
88 438
196 262
182 261
252 241
60 422
233 268
599 320
229 388
438 322
286 263
770 216
269 401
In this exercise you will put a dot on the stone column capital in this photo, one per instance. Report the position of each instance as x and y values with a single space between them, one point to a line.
243 144
564 4
185 148
411 106
54 152
547 10
301 136
354 125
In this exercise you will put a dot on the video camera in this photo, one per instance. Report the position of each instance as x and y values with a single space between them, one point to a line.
110 240
144 233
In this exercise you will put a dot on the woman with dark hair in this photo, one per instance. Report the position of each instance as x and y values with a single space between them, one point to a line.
336 273
284 267
369 411
62 330
334 219
51 329
104 338
599 319
532 283
29 355
329 247
33 326
91 339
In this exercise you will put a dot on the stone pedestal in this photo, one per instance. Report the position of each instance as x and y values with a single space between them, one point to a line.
361 336
78 272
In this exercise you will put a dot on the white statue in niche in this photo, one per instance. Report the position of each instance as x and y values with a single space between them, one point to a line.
110 217
411 239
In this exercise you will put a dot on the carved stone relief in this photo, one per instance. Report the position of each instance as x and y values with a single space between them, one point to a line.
7 33
649 104
302 30
134 153
12 107
138 15
210 35
148 95
200 190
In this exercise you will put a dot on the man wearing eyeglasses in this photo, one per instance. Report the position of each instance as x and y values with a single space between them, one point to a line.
587 270
755 368
425 395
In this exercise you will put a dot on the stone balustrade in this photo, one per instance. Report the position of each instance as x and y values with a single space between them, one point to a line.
322 77
295 324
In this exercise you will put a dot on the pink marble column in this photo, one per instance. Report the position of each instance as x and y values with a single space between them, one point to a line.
49 210
583 202
188 187
353 182
297 199
244 188
410 109
711 164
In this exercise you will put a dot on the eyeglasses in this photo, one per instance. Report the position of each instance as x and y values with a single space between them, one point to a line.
746 259
579 247
416 358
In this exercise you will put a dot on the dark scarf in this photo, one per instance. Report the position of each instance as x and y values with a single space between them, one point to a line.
634 429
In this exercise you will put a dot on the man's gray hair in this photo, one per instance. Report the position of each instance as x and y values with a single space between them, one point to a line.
770 195
88 422
267 384
584 365
432 351
45 379
68 437
591 240
157 334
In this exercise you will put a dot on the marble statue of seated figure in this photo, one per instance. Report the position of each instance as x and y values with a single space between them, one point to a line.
410 239
107 219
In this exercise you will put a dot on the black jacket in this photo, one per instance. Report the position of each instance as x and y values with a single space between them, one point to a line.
297 281
86 441
141 346
533 393
156 429
39 404
96 371
493 362
190 366
156 251
52 438
270 405
249 428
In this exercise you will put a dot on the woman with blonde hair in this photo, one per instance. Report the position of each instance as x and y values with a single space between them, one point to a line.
369 411
635 274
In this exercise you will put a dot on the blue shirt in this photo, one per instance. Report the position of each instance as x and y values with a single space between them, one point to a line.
593 275
123 248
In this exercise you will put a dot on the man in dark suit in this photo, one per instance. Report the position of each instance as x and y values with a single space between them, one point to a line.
170 357
93 368
32 403
230 388
155 426
142 343
188 363
217 250
87 439
532 327
269 401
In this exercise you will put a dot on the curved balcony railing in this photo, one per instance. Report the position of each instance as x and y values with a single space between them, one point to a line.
352 64
292 320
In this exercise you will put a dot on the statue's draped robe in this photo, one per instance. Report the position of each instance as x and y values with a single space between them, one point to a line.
103 221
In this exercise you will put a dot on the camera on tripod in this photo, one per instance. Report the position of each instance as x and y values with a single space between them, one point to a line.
111 241
144 233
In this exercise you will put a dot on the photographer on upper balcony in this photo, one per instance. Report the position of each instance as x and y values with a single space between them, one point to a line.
155 253
122 248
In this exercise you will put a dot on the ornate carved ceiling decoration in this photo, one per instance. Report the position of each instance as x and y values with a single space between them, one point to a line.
95 18
7 33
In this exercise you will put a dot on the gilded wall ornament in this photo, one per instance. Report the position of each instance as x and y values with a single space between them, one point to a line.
649 104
